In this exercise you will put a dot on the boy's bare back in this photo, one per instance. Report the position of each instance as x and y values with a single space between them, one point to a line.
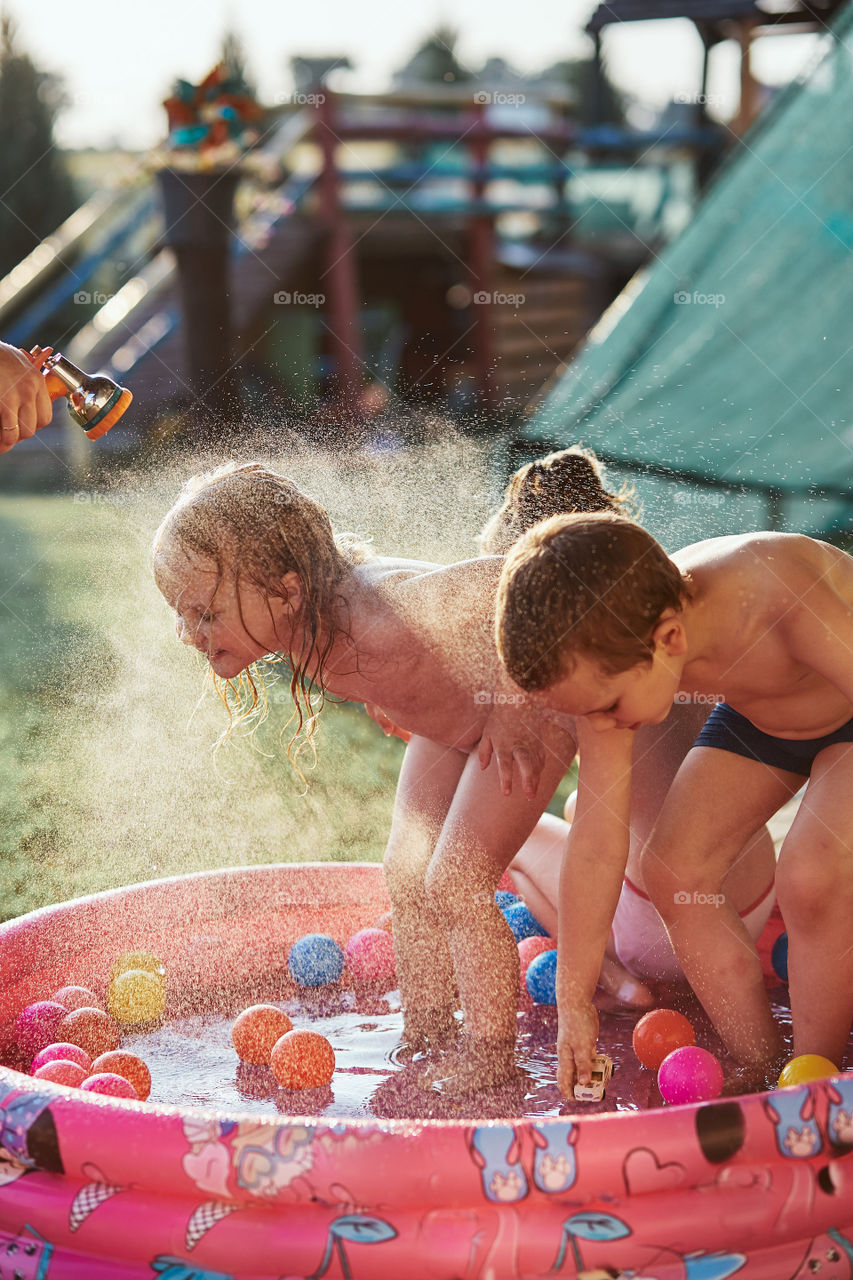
762 623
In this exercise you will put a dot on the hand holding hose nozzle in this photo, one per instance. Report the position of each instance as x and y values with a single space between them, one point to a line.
95 402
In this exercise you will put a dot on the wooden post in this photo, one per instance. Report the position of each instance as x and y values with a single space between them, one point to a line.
340 274
481 258
749 106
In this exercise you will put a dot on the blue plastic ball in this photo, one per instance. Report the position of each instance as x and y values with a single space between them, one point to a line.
542 978
779 957
315 960
523 922
505 899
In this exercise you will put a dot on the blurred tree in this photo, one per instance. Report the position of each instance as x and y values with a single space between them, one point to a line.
434 62
36 190
578 74
234 56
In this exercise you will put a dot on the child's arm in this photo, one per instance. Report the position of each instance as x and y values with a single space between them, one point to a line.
590 884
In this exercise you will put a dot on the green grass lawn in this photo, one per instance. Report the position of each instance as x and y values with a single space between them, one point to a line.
105 750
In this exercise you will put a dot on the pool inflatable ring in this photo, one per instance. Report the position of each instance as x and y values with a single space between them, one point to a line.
96 1188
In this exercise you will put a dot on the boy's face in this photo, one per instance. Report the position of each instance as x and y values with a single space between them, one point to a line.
233 627
642 694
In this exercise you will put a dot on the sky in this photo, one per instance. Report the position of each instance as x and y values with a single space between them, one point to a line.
119 59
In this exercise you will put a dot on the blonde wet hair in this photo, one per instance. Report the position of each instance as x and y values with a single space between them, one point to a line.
256 526
565 481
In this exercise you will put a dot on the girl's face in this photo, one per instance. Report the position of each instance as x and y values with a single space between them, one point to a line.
232 625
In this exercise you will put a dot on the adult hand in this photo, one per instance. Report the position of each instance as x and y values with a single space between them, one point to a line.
25 405
512 743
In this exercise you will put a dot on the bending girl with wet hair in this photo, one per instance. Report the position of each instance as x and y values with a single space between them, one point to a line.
252 568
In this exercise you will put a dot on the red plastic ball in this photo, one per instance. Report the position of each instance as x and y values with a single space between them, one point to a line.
110 1084
303 1060
658 1033
77 998
121 1063
91 1029
256 1030
62 1071
66 1051
528 950
369 956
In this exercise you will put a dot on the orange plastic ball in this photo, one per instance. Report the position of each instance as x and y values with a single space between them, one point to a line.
77 998
121 1063
303 1060
256 1030
62 1071
91 1029
659 1033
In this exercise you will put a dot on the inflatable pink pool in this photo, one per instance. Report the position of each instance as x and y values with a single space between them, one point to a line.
93 1188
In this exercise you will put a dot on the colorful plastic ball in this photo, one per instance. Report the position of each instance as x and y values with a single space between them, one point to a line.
690 1074
35 1026
91 1029
505 899
256 1030
110 1084
138 960
121 1063
658 1033
369 956
523 922
807 1067
779 957
303 1060
62 1071
137 995
541 977
65 1050
77 998
315 960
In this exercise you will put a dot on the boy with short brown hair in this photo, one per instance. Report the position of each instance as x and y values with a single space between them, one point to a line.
597 621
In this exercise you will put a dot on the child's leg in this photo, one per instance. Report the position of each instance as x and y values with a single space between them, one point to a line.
427 782
716 803
482 832
815 887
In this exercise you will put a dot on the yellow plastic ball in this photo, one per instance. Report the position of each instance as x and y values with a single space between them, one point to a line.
137 996
808 1066
138 960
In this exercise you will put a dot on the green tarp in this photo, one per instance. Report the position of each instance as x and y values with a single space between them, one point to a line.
730 358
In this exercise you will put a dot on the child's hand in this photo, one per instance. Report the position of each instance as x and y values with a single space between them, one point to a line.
385 723
511 742
576 1041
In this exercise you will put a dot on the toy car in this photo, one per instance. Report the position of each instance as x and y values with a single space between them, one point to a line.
602 1070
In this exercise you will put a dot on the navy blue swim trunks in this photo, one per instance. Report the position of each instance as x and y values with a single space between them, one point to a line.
728 730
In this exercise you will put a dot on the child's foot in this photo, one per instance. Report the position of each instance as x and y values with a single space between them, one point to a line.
477 1064
621 986
424 1035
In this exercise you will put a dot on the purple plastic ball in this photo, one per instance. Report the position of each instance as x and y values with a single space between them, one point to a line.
690 1074
35 1026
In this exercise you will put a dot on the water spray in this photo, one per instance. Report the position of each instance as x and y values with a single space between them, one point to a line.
95 402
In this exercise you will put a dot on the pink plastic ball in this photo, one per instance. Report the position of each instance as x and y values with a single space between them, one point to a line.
369 956
62 1071
529 949
77 998
65 1052
35 1026
112 1085
690 1074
